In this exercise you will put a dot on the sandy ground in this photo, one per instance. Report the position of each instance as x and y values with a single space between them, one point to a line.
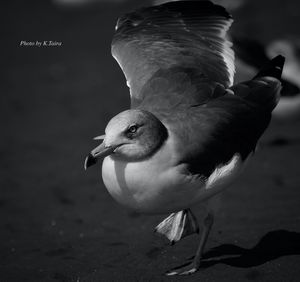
58 223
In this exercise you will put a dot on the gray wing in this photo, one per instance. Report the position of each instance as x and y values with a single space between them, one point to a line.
189 34
227 124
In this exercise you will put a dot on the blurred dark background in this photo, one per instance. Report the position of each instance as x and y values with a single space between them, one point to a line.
58 223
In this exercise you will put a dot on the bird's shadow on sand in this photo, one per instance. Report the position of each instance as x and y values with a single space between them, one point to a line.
273 245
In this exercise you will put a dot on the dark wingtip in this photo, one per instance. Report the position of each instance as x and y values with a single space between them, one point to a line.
273 68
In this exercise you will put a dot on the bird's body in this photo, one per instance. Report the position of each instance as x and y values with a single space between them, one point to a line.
133 184
189 132
161 184
178 176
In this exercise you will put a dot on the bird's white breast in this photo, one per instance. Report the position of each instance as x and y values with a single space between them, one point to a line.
149 185
158 185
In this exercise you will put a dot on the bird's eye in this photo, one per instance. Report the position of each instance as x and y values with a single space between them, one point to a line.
132 129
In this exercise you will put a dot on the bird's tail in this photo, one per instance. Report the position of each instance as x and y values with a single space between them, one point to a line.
272 69
178 225
264 89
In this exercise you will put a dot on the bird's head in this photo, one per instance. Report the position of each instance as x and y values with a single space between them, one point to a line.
132 135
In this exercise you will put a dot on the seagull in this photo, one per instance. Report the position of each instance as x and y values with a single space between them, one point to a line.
189 130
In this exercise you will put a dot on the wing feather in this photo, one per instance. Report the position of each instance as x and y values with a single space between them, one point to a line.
191 34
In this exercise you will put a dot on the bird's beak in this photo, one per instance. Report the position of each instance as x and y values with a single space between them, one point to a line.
99 152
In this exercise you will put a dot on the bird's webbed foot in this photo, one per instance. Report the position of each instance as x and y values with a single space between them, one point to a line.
178 225
186 269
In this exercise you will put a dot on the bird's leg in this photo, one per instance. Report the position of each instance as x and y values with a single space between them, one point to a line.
212 207
195 265
207 225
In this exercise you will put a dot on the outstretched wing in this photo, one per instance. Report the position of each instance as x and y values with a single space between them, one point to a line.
188 34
